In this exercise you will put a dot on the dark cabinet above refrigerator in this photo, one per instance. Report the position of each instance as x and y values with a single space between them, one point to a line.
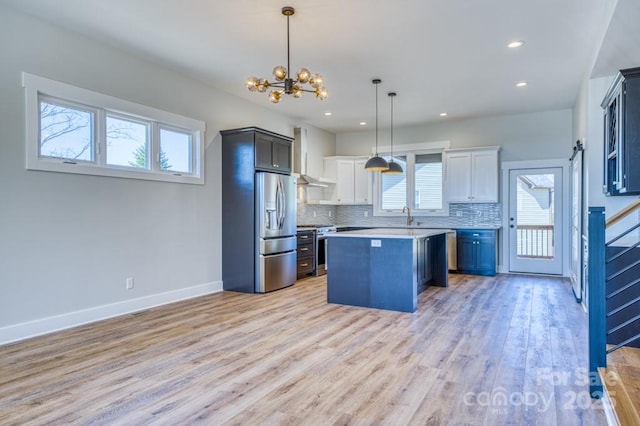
273 154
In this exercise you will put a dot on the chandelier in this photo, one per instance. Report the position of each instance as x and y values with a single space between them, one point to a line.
284 83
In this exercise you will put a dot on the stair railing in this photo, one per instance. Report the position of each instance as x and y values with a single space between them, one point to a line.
600 277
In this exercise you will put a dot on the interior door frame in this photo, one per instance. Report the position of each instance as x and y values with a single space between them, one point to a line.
506 167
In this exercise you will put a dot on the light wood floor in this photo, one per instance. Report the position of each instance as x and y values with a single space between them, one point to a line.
492 351
622 381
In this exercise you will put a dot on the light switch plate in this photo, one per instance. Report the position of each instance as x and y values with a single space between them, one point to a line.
376 243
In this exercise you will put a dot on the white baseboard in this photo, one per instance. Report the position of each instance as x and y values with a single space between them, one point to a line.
25 330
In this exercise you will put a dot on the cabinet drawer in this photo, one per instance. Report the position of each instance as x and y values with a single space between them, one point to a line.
305 248
304 266
475 233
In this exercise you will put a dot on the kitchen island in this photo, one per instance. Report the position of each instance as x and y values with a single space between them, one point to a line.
385 268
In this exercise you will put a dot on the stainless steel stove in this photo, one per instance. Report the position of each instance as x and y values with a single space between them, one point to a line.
321 232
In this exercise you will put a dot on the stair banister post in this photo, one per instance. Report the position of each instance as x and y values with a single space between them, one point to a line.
596 299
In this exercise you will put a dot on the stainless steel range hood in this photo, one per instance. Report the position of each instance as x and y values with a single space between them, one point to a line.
300 161
311 181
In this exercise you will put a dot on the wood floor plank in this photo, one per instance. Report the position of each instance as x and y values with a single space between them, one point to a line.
288 357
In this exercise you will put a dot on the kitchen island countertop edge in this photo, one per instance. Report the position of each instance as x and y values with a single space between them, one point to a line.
408 233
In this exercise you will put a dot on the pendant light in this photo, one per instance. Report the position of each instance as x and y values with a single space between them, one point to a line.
376 163
394 168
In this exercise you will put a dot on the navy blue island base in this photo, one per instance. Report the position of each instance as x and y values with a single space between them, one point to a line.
385 268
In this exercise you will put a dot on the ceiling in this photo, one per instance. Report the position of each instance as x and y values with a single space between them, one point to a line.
439 56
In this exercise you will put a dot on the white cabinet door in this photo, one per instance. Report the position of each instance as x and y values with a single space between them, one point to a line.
459 177
362 183
353 184
344 182
484 182
472 175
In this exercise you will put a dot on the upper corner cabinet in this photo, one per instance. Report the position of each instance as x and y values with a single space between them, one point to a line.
621 107
472 175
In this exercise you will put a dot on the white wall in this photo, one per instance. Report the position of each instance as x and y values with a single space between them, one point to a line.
67 242
532 136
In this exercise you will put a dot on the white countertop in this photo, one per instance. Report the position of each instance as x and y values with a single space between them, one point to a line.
411 233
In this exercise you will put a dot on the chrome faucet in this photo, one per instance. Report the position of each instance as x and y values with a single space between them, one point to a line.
407 210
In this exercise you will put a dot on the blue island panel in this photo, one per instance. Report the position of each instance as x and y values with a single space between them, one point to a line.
376 277
348 276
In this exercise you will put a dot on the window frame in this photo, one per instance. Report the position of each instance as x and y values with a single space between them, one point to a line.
410 151
37 88
174 129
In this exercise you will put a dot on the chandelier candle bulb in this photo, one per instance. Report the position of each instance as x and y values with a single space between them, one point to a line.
284 84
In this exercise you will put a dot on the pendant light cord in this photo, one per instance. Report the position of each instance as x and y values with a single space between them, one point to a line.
392 127
377 119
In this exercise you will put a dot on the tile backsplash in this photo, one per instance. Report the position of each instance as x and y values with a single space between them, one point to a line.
316 214
460 215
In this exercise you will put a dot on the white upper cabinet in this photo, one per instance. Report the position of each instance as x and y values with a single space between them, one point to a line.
363 188
353 183
472 175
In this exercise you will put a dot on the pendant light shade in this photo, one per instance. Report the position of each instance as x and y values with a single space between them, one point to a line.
376 163
394 168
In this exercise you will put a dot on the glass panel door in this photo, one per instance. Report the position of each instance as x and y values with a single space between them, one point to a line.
535 221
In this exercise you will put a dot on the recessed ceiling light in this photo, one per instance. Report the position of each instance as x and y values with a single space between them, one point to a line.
327 113
516 44
363 123
443 114
521 84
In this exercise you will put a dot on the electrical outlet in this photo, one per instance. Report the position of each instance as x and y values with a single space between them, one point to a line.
129 283
459 213
314 213
329 214
366 213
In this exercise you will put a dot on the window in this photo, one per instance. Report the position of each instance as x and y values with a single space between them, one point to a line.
74 130
420 187
66 130
428 182
394 187
127 142
175 150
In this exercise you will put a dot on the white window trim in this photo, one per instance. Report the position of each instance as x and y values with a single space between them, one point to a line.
36 85
418 148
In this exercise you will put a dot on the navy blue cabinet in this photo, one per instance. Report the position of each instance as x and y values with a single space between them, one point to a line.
272 154
477 251
621 107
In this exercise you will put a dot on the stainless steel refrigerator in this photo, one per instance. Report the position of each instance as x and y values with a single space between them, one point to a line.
258 211
275 231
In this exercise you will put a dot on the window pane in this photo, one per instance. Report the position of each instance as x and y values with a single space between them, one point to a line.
428 172
535 216
394 187
66 132
127 143
175 151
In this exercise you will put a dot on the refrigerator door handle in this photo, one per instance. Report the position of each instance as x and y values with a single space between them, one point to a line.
283 204
281 200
